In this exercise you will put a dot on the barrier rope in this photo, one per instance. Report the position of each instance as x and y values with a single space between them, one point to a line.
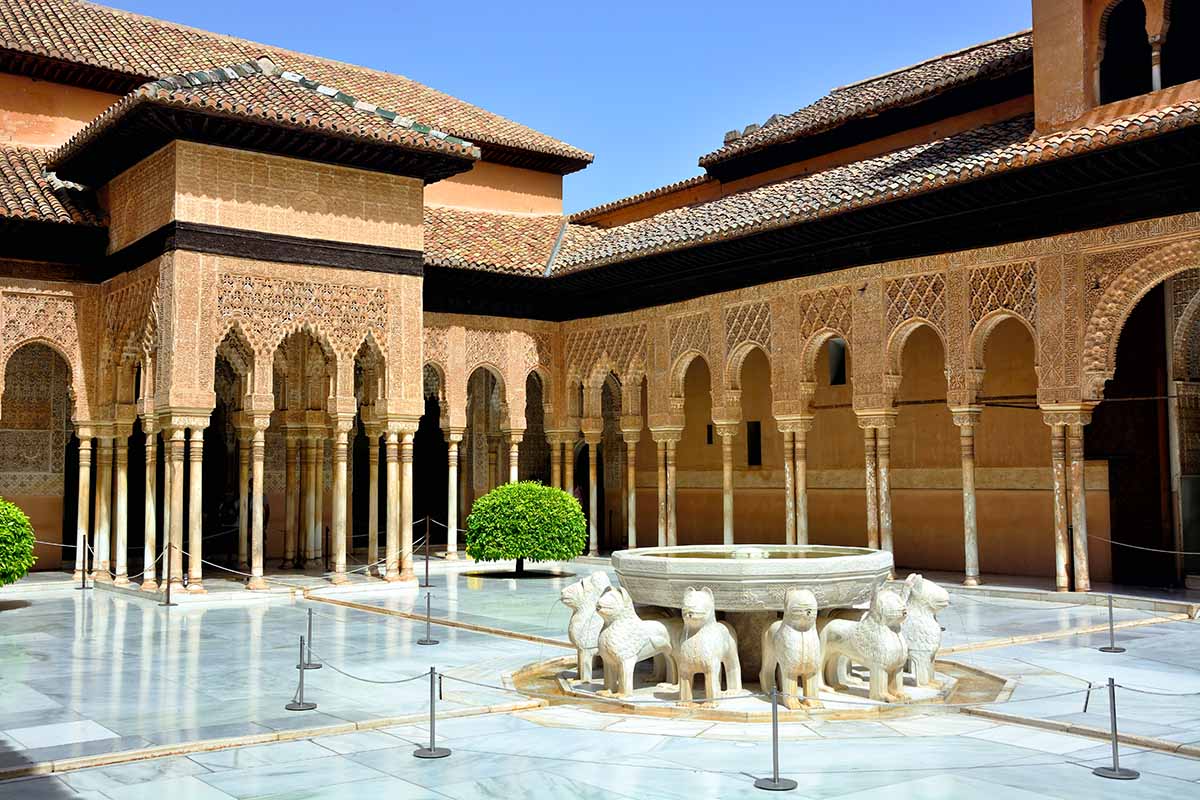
322 660
1157 694
1147 549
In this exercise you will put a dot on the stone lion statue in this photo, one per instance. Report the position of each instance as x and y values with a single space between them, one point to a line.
874 641
584 628
921 630
625 640
707 646
793 645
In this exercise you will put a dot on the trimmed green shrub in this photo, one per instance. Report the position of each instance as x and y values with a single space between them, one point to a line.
526 520
16 543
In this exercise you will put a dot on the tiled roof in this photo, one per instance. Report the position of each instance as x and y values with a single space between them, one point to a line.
962 157
27 192
491 241
641 197
146 48
286 99
908 85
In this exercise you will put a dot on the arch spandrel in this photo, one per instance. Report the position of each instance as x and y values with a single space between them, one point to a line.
64 322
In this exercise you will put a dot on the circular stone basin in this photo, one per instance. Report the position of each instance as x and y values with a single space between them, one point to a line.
752 577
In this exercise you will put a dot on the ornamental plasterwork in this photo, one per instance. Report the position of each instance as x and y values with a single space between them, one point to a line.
916 297
1011 287
689 333
624 345
52 316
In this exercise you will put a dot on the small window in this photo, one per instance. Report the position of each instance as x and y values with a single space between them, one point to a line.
754 443
837 362
708 435
1125 68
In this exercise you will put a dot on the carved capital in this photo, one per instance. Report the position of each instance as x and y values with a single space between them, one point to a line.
593 426
726 430
630 424
454 435
1067 415
666 434
966 416
794 424
877 418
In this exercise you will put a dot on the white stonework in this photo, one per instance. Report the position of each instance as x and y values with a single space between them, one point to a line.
584 628
625 640
793 645
874 641
707 647
921 630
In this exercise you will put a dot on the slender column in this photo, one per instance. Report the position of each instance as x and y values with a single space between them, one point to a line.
569 465
291 506
103 548
340 455
631 441
244 446
176 445
392 566
121 507
1155 63
406 508
150 506
493 445
258 452
593 443
514 444
1079 532
789 488
195 511
310 502
966 420
883 453
373 500
661 462
672 518
1062 543
319 541
454 441
726 432
800 469
872 489
556 462
84 498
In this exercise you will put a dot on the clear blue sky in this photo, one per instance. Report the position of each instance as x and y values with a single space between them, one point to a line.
647 86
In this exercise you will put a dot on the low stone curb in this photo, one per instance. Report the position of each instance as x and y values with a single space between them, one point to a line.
208 745
1148 742
1043 637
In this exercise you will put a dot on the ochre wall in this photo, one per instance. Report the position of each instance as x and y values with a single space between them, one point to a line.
43 114
497 187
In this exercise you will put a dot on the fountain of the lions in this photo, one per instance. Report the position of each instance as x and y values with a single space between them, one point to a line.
825 626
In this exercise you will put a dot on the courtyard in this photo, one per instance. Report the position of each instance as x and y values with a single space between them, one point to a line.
118 697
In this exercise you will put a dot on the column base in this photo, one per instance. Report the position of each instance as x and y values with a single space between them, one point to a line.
971 580
594 553
121 580
196 587
452 555
101 577
77 575
285 564
257 584
338 578
1062 588
1083 587
244 566
149 585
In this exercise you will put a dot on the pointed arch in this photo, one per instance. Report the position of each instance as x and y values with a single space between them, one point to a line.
736 358
977 341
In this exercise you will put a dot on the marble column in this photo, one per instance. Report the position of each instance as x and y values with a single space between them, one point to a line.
661 464
726 432
121 507
84 501
373 502
789 488
800 470
883 458
103 548
319 542
593 443
341 447
392 554
453 442
196 510
1062 539
291 505
672 483
258 452
176 447
149 511
569 465
555 462
1079 534
967 420
514 455
872 488
631 442
244 446
492 479
406 507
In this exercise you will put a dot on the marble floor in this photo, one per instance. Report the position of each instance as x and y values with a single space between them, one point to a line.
94 673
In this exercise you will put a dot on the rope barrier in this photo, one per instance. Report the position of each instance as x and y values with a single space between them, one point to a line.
365 680
1157 694
1147 549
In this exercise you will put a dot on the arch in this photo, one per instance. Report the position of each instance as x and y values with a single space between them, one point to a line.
546 379
811 351
899 336
1117 303
1183 348
1123 54
679 370
977 341
737 357
73 369
1181 30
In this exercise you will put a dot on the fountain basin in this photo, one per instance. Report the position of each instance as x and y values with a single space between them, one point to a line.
752 577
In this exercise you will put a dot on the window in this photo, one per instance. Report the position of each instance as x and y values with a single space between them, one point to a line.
708 435
837 362
1181 44
1125 69
754 443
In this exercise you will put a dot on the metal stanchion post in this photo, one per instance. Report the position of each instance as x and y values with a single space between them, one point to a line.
307 661
167 573
83 573
775 783
1112 636
433 751
425 585
428 633
1116 771
299 704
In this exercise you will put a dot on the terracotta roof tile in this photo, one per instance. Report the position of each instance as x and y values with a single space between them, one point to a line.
147 48
871 96
962 157
28 192
640 197
491 241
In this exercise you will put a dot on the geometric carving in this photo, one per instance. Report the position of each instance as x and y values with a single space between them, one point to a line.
1009 286
35 425
624 344
487 347
748 322
435 346
689 333
921 296
826 308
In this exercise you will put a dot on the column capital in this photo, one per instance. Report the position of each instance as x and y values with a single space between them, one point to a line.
631 423
631 436
454 435
876 418
561 436
1067 414
726 430
800 423
591 426
402 426
666 434
966 416
342 423
195 419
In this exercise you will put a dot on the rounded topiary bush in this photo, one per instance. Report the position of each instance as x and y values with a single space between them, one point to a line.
526 520
16 543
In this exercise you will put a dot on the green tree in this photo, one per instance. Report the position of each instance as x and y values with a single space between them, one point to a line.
526 520
16 543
